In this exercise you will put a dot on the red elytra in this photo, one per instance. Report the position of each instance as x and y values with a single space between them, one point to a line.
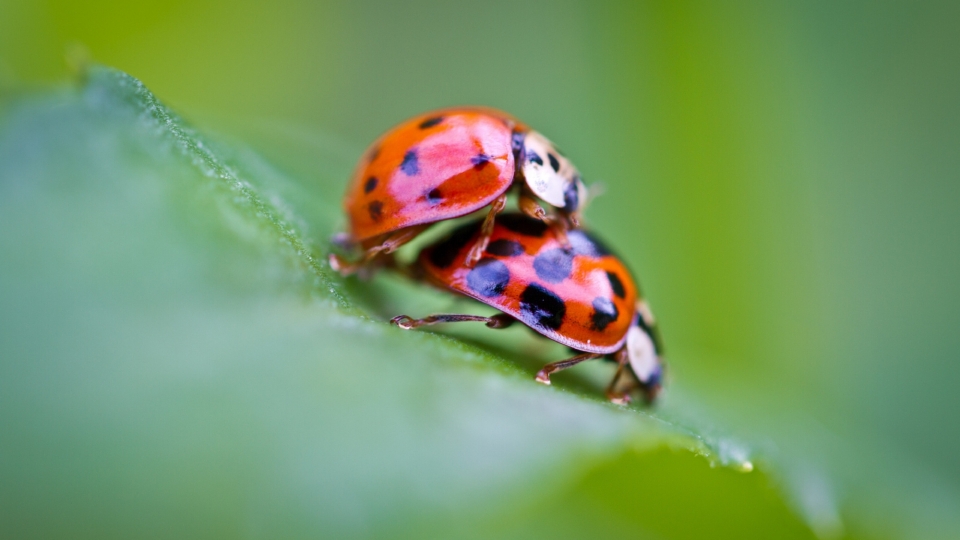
580 295
449 163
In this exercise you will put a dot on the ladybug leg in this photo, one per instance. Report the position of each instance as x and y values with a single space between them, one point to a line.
388 245
485 231
560 228
501 320
529 206
543 376
620 398
342 265
396 239
649 392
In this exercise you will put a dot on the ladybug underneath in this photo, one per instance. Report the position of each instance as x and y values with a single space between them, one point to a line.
580 295
447 164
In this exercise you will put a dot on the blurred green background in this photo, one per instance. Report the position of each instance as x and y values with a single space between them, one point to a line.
783 178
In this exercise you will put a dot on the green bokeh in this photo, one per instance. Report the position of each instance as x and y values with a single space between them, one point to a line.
784 179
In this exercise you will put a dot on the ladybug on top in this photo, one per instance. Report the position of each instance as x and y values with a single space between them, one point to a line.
447 164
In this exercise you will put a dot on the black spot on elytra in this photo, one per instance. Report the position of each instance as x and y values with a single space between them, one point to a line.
553 265
533 157
546 307
554 164
370 184
409 165
488 278
445 252
430 122
571 197
504 248
375 208
479 160
586 244
525 225
604 313
616 285
434 196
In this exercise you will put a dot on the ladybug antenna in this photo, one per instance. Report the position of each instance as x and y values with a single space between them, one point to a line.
594 190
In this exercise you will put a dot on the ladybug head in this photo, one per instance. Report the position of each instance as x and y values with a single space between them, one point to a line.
550 175
643 350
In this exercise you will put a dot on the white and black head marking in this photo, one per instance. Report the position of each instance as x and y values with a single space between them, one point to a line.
643 351
550 175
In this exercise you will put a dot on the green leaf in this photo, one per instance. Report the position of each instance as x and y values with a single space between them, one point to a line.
177 360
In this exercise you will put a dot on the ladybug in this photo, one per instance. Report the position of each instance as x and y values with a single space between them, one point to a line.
580 295
446 164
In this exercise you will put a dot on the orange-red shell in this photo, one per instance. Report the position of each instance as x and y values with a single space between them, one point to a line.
583 297
439 165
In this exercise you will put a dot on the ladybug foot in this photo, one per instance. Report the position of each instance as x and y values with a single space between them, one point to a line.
476 253
650 394
619 398
543 376
339 264
404 321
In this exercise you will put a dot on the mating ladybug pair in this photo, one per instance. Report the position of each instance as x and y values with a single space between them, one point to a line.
534 266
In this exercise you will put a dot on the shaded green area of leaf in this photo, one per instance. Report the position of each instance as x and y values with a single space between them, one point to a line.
176 360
